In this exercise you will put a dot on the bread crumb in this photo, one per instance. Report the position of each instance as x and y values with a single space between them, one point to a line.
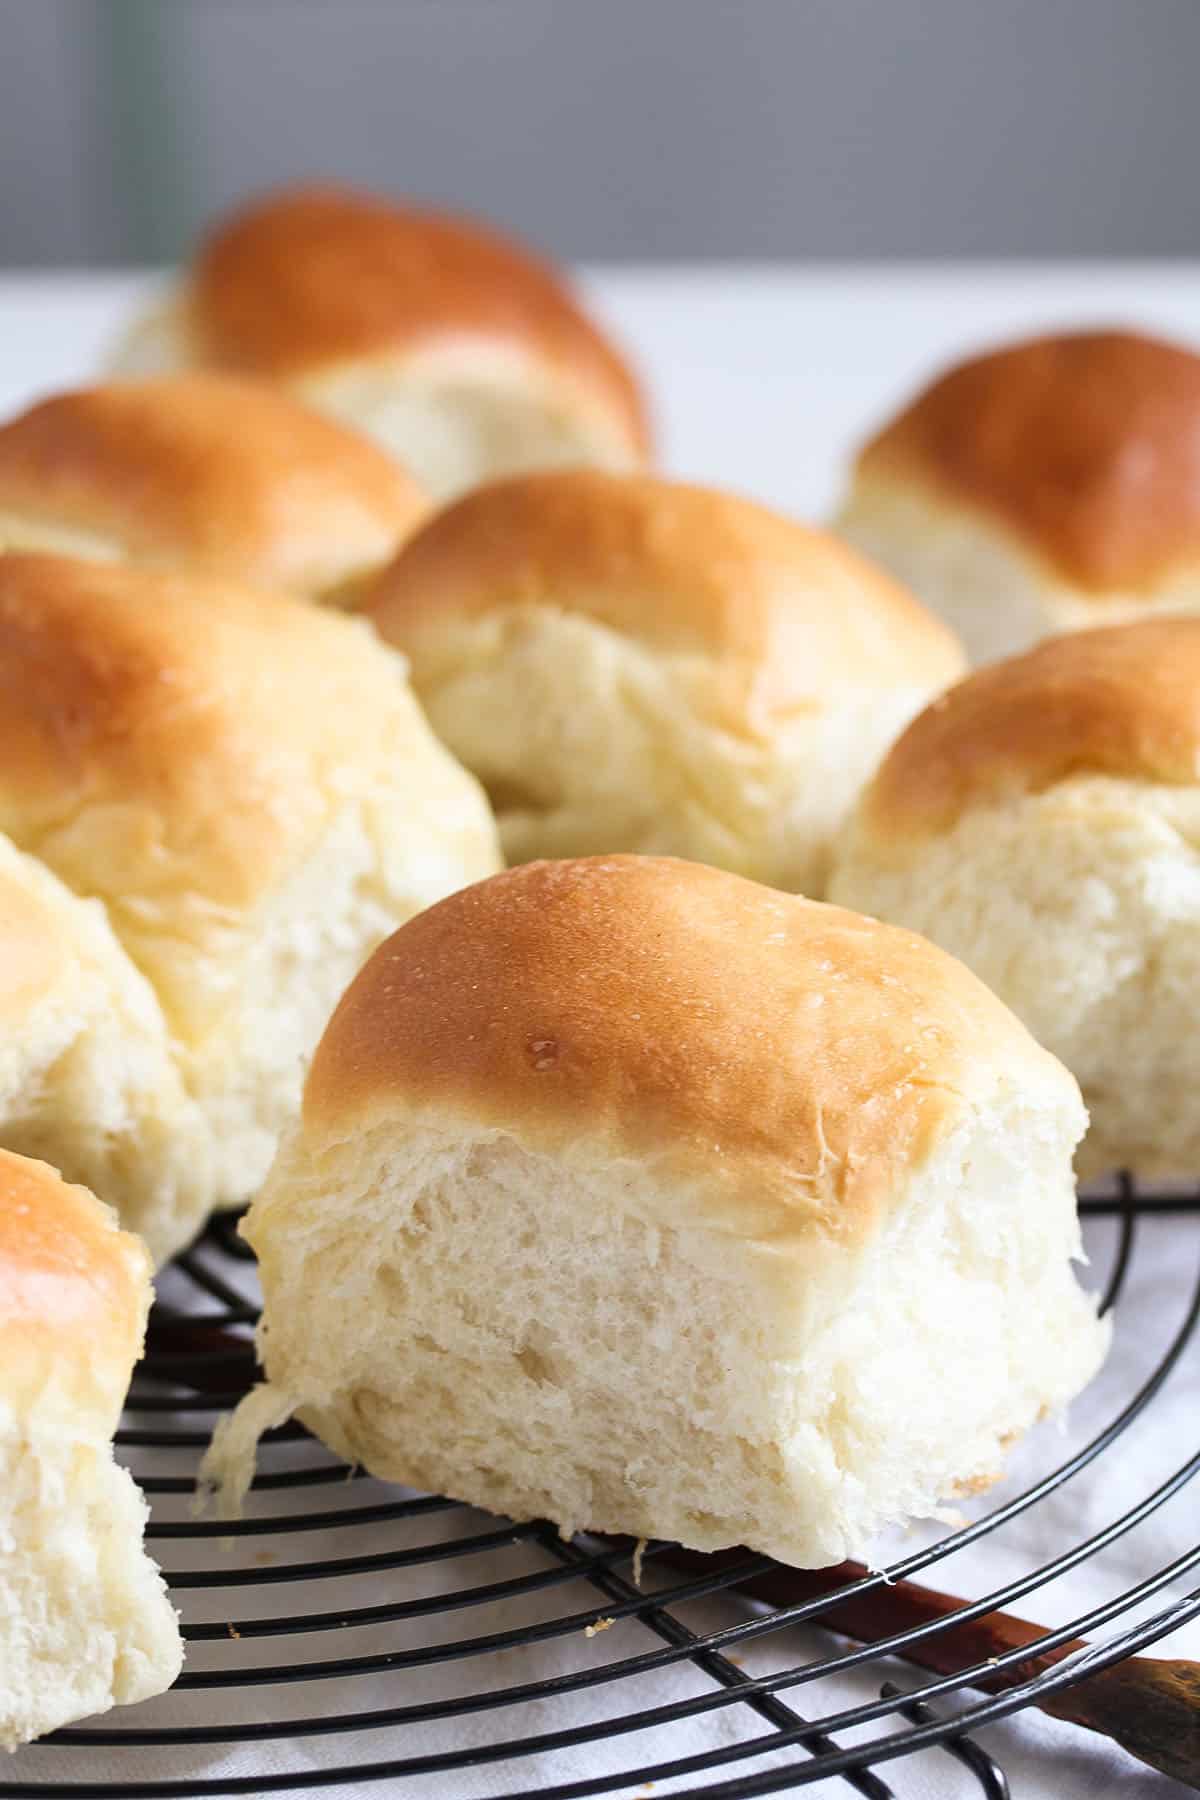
600 1625
639 1550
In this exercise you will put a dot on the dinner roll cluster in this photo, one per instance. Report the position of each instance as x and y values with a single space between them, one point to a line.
634 1188
455 348
209 475
1043 487
1042 822
85 1622
629 663
780 1200
245 786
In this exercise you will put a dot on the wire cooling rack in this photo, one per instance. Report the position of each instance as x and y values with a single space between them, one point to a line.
416 1667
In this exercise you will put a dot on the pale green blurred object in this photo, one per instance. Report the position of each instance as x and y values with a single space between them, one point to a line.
150 164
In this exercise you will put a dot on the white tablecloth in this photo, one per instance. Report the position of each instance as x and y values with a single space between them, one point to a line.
762 381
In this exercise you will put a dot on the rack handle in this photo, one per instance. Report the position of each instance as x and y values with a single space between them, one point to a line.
1148 1705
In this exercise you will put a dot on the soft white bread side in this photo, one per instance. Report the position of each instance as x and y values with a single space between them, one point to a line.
248 786
85 1622
632 664
1049 486
636 1196
88 1075
1042 822
208 475
454 348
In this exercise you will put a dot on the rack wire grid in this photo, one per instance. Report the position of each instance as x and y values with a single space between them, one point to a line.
427 1650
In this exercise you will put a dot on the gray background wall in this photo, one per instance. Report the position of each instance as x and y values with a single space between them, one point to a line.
627 129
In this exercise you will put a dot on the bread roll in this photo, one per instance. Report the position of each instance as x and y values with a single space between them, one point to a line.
85 1622
209 475
247 785
631 664
1046 487
88 1071
632 1195
459 351
1041 822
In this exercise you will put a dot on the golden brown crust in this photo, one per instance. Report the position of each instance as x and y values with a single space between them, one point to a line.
73 1297
1123 701
684 569
213 474
317 276
176 726
799 1060
1086 445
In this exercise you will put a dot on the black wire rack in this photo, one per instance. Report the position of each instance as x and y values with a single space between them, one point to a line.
434 1652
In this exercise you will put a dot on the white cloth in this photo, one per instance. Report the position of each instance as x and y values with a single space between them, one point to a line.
763 379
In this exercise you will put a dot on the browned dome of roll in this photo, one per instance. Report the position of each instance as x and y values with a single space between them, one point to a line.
1123 700
801 1056
207 473
195 733
780 606
315 276
1085 444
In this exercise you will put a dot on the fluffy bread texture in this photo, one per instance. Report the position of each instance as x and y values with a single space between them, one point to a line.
85 1622
247 786
632 664
208 475
636 1196
456 349
88 1072
1042 822
1049 486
